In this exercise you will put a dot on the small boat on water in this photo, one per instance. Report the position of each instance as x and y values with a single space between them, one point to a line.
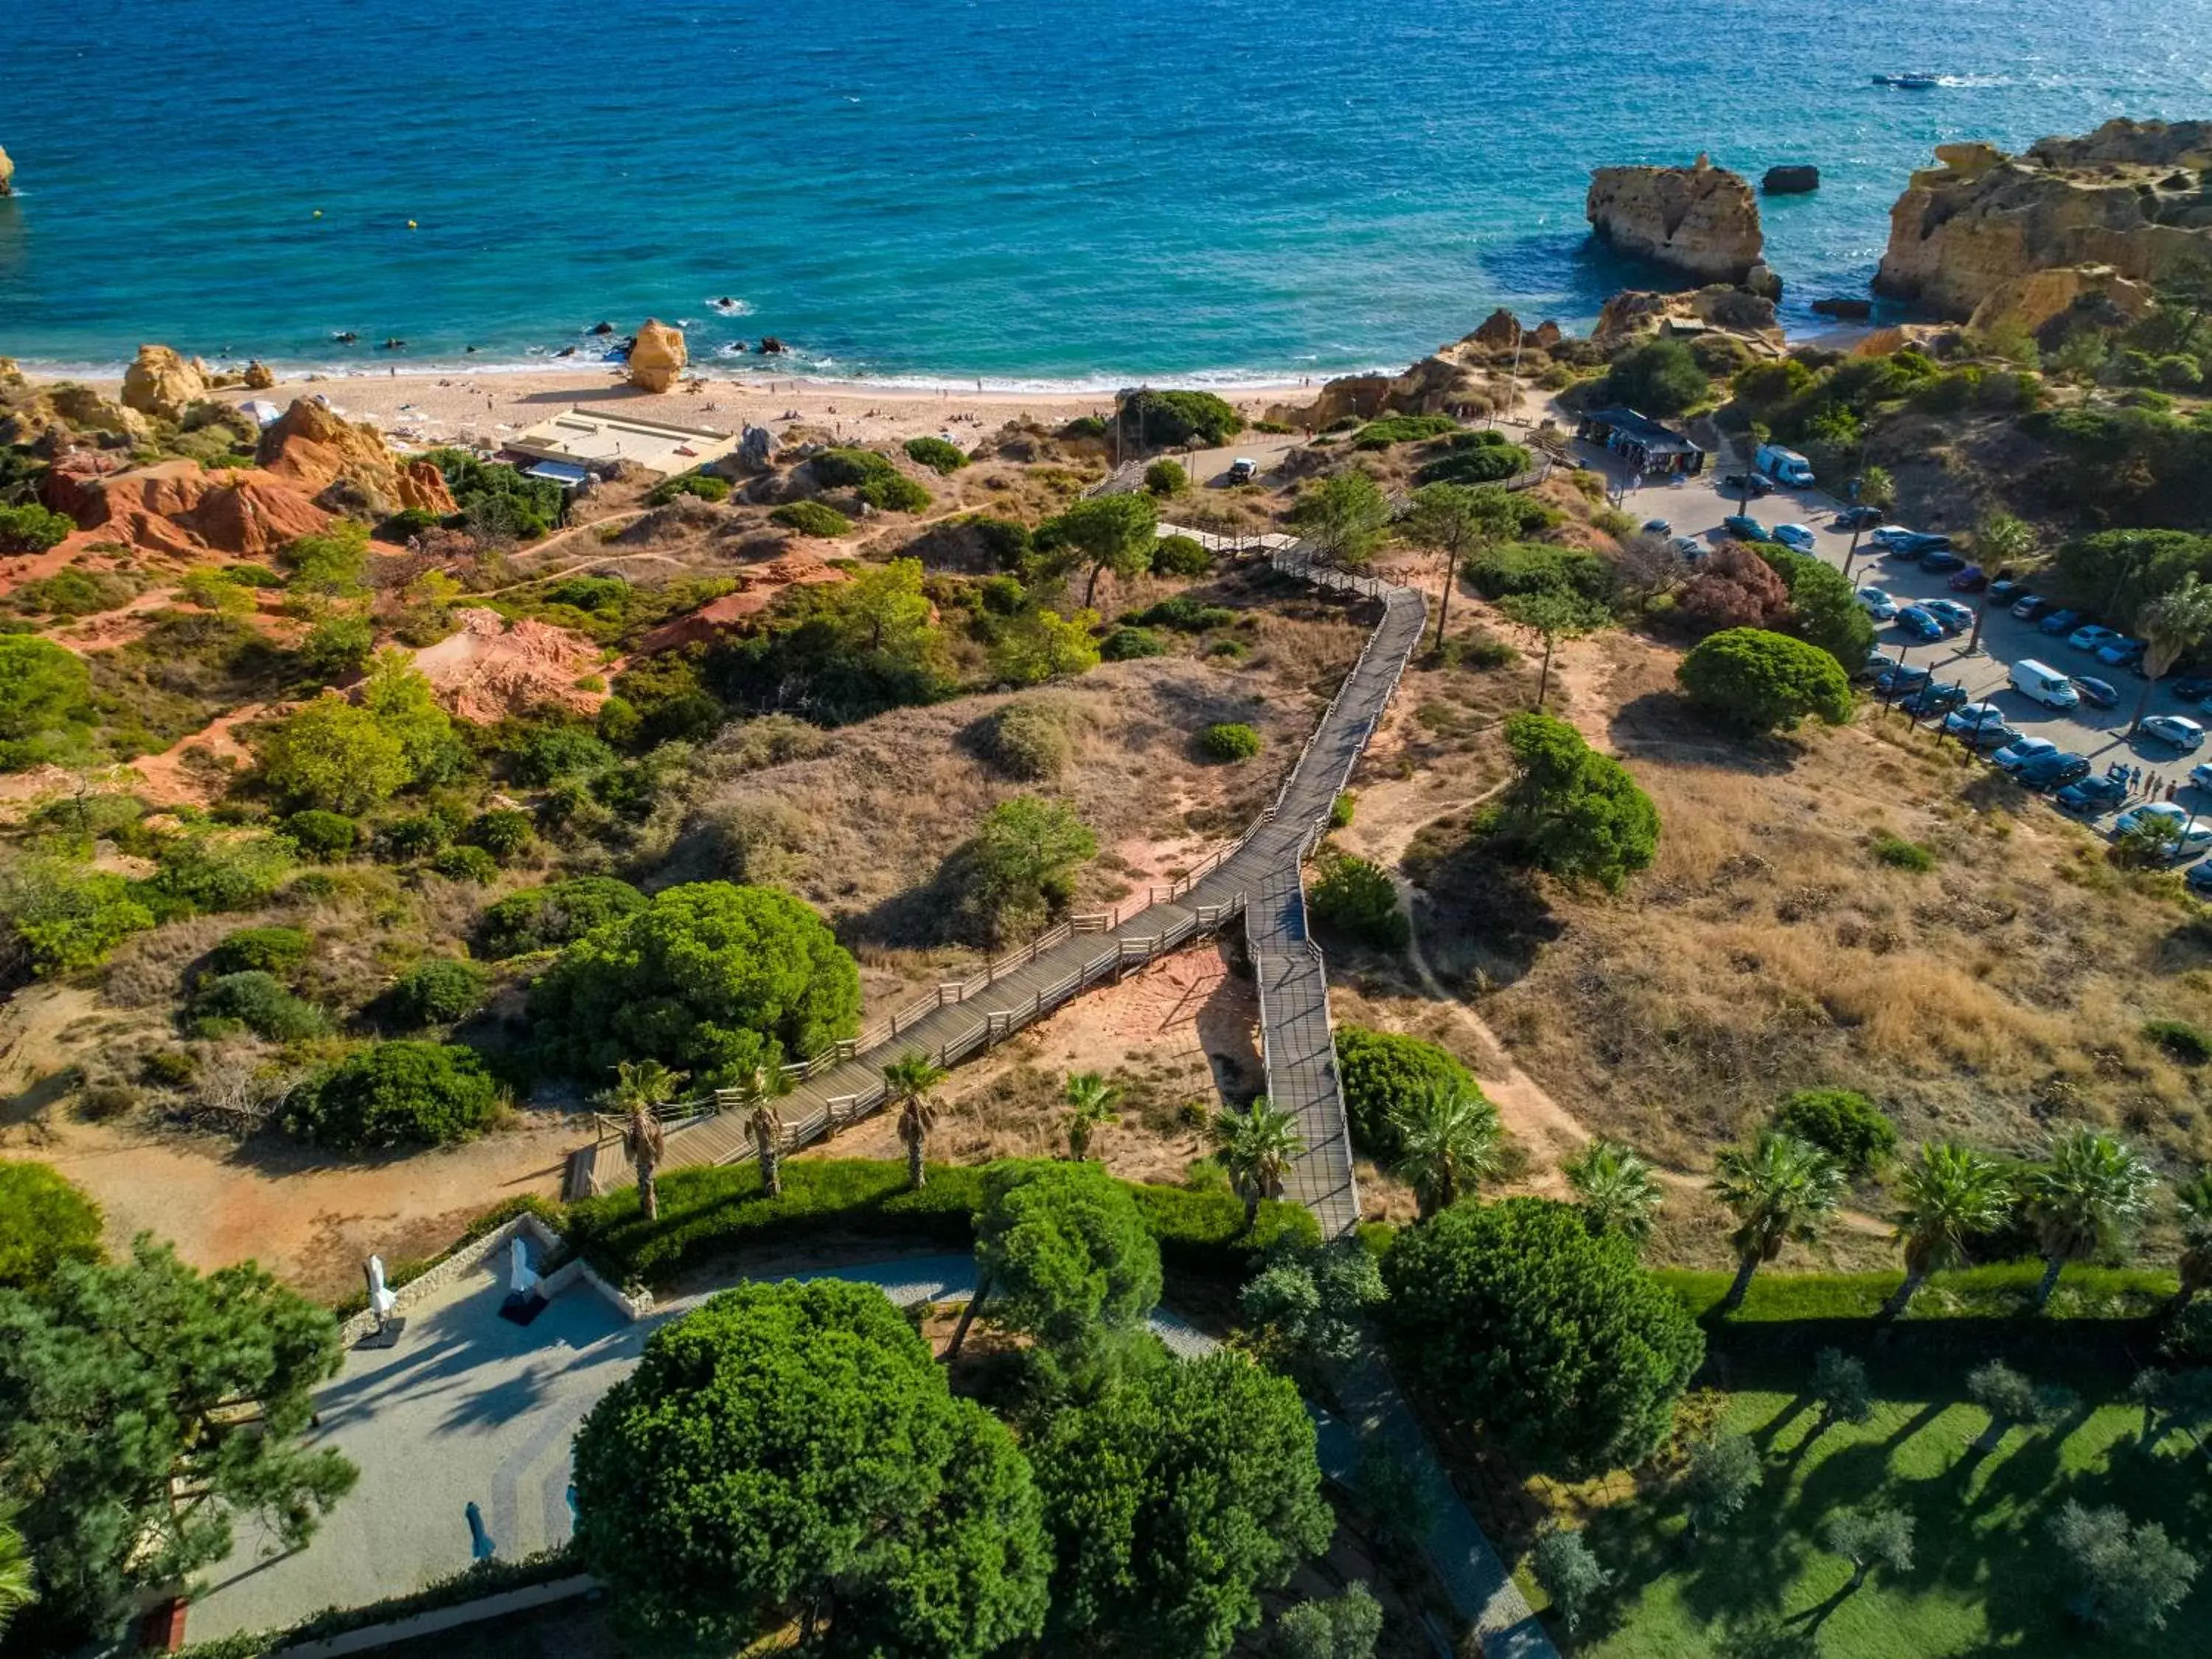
1916 82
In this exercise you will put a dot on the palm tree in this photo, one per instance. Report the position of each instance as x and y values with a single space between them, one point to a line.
641 1085
1257 1146
1945 1198
1448 1137
910 1082
2193 1199
2001 542
765 1124
1619 1191
2084 1201
17 1590
2171 625
1090 1108
1780 1188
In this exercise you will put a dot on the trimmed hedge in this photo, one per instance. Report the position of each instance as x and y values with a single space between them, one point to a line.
473 1584
1999 1292
709 1212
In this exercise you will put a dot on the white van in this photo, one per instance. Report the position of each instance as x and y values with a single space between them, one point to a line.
2045 684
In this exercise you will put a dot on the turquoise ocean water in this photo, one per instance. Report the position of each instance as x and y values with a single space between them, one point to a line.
953 189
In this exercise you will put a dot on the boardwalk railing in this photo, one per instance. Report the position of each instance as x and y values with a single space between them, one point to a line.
956 1018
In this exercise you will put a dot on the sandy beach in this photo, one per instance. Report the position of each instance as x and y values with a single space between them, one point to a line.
480 410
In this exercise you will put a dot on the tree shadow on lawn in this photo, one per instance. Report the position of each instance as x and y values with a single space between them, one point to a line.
1477 912
1663 726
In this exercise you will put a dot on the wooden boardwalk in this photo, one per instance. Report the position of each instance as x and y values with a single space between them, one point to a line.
1258 877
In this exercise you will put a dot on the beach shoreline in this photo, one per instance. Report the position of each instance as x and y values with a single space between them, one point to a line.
482 410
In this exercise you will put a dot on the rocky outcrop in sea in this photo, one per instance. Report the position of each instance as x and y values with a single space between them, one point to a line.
1700 219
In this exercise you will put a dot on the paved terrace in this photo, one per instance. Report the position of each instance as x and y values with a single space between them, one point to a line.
1258 877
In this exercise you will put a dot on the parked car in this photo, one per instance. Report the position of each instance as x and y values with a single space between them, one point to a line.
1901 553
1938 560
1877 664
2199 876
2193 688
2059 622
1973 717
2014 755
1889 535
2090 636
1657 527
1244 470
2201 775
2000 735
1936 697
1858 518
1744 529
1956 618
2187 833
2183 733
1897 679
2122 652
1686 547
1919 621
1877 604
1746 484
2091 796
1916 541
2031 607
2003 591
2098 694
1973 580
2059 767
1795 537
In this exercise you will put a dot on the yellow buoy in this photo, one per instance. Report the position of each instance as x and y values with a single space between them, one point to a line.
410 224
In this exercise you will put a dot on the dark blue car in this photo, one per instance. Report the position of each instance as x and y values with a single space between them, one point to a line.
2091 796
2053 771
2060 621
1921 624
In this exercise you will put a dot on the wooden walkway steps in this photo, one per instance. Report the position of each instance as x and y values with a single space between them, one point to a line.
1258 877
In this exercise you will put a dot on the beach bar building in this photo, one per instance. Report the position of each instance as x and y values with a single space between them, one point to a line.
597 441
1641 441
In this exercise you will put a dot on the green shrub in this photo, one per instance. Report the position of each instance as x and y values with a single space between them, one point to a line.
1659 378
43 1222
1356 898
33 529
1163 419
417 837
266 950
1899 854
1540 567
396 1094
705 486
816 519
895 492
1476 463
73 590
405 525
211 869
1166 477
1341 810
1842 1123
2189 1044
436 991
1758 682
1086 426
936 454
551 753
467 864
46 702
1379 1069
503 832
259 1002
64 915
1034 740
1403 430
541 918
1007 541
848 468
1180 555
1127 644
1185 615
1228 741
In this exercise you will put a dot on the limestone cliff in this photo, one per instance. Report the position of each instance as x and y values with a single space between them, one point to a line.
347 465
162 384
659 357
179 507
2032 302
1701 219
7 175
2130 196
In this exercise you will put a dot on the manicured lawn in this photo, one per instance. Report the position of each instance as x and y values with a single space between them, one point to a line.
1986 1579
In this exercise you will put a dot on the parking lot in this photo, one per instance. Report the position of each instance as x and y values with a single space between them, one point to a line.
1696 507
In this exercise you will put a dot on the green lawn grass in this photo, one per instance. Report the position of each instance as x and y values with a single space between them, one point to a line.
1986 1579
